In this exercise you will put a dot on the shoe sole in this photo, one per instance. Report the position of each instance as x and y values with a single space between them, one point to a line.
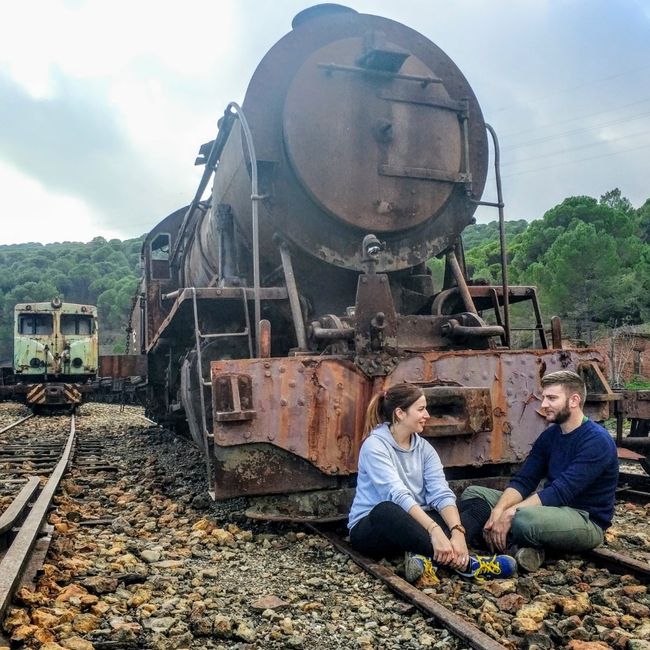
413 570
529 559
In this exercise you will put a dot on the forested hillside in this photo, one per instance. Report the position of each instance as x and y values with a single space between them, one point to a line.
102 273
589 257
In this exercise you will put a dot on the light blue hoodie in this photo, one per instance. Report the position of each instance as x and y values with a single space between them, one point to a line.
404 476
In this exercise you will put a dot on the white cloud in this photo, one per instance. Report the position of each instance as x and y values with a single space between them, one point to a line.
32 213
99 39
153 78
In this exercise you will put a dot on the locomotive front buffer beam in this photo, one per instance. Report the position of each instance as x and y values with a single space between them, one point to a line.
291 425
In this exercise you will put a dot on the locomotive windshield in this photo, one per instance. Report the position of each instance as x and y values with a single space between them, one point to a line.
76 324
35 324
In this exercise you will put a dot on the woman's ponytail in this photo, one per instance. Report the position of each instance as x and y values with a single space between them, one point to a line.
373 413
382 405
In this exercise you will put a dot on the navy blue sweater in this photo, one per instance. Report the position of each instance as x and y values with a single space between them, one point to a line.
580 468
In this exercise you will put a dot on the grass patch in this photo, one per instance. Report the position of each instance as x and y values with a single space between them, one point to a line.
638 383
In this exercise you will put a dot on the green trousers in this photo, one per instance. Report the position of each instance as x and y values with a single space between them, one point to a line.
559 528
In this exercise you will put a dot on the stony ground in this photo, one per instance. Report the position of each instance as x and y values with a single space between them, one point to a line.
163 567
142 559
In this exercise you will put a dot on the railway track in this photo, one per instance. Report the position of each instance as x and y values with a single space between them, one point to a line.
445 616
634 487
97 492
24 465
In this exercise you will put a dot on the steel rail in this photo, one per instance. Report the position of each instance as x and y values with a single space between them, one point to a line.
456 624
619 563
16 423
18 506
635 481
635 496
15 559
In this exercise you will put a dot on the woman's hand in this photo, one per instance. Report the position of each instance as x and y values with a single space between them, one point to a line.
461 554
443 551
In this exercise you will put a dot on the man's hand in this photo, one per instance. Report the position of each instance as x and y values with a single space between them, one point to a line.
497 528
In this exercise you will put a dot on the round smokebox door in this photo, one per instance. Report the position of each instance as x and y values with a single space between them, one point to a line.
377 150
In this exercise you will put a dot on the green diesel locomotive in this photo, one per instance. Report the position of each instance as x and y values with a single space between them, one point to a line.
56 353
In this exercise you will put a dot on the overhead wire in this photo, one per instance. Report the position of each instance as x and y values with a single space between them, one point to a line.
575 131
563 91
576 148
573 162
570 134
573 119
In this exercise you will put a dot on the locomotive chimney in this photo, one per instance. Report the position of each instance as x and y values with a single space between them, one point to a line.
325 9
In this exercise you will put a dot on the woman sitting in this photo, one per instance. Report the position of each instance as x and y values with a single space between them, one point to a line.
403 502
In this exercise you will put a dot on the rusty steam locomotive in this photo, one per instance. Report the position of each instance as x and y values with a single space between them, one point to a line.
271 311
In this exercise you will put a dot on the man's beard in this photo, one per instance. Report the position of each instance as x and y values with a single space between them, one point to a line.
562 415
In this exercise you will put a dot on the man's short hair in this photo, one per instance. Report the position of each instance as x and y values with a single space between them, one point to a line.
570 381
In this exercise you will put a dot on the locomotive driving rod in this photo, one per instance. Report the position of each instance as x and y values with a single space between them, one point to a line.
454 328
318 332
460 281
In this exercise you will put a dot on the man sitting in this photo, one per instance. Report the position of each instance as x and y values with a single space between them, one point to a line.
577 459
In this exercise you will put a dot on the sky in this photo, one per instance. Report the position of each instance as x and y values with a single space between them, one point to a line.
104 104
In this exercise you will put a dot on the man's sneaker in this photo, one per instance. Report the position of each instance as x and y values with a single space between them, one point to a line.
529 558
489 567
420 567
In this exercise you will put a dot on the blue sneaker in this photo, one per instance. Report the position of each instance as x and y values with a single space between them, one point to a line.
420 567
489 567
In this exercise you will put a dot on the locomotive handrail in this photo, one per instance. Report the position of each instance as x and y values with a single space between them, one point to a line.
216 150
233 111
502 231
338 67
255 197
199 367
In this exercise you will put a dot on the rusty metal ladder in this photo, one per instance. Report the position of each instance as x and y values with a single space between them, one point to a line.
538 327
199 338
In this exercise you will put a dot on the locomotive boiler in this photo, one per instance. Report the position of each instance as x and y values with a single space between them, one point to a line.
273 309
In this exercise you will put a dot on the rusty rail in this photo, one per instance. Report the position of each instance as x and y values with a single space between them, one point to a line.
18 508
619 563
16 423
16 557
450 620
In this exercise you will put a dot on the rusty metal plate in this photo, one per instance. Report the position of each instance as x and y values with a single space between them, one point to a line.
457 411
513 379
397 161
311 407
232 398
628 454
123 365
635 404
255 469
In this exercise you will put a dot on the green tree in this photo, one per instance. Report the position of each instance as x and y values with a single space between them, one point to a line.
581 280
76 272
